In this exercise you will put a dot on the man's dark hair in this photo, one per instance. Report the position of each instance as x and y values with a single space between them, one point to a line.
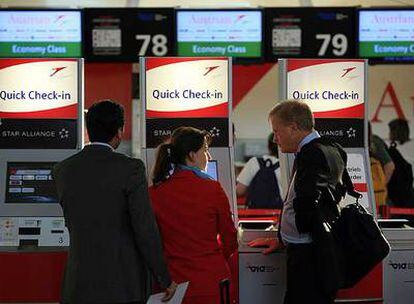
399 130
103 120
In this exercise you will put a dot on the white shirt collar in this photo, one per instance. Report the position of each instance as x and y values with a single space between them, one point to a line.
308 138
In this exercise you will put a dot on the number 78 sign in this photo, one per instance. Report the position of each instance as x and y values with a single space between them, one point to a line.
159 44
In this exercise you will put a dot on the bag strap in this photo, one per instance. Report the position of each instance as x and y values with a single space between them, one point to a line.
350 189
346 179
261 162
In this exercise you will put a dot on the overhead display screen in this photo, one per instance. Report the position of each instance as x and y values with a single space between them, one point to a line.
30 183
386 35
125 34
232 33
33 33
310 32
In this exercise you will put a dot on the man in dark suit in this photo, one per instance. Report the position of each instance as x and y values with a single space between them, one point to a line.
312 273
114 239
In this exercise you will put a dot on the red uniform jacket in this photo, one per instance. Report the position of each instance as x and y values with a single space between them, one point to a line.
191 212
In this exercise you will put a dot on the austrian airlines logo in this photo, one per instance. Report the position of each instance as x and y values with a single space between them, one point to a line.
56 70
239 18
61 20
209 69
347 71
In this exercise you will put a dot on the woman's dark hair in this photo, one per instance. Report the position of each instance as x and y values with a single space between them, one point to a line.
272 146
399 130
183 141
103 120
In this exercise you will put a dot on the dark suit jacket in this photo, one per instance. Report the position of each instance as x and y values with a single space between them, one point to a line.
318 181
319 188
114 238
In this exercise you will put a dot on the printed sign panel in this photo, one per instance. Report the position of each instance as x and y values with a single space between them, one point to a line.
38 133
332 88
185 87
158 130
38 88
358 175
348 132
38 103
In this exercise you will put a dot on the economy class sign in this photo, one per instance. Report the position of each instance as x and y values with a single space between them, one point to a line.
187 87
38 88
332 88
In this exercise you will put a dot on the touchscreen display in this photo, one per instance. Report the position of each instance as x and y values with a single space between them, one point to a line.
30 183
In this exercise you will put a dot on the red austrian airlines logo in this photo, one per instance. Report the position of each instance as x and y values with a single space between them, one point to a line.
209 69
239 18
347 71
56 70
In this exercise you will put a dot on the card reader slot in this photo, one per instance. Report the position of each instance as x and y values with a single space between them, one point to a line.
29 231
57 231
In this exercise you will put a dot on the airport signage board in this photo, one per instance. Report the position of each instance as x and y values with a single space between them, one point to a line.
335 91
125 34
310 32
186 92
187 87
39 101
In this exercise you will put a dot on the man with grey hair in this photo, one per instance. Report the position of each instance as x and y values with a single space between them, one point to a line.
312 275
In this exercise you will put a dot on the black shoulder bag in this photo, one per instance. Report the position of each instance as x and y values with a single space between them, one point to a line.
359 239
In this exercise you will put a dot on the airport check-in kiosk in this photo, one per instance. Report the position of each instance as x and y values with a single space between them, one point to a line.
41 123
192 92
196 92
335 91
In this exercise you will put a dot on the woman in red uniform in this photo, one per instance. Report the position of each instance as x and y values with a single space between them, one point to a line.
192 212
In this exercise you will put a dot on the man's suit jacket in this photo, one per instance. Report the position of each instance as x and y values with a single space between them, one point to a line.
320 165
319 187
114 238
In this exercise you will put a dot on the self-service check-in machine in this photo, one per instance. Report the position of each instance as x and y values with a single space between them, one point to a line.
193 92
335 90
41 123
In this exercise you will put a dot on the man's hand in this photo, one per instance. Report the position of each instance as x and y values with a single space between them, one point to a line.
271 244
169 292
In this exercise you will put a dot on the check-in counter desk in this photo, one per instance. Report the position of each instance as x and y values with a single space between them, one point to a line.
398 267
261 277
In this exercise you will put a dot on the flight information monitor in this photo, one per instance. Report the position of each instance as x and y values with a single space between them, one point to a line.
30 183
386 35
232 33
212 169
40 33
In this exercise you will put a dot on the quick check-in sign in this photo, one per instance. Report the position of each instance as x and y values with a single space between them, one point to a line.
38 103
186 92
186 87
334 90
